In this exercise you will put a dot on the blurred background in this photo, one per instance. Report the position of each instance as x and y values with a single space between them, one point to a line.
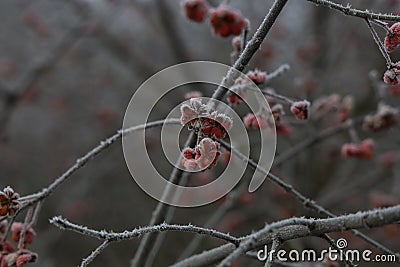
69 68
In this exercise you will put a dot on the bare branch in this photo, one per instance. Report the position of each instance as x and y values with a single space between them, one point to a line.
85 262
292 229
348 10
64 224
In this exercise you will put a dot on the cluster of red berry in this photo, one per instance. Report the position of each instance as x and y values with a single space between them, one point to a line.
392 41
224 21
10 255
362 150
208 124
238 91
203 156
9 203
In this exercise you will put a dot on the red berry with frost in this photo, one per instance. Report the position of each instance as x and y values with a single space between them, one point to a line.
188 153
192 110
392 39
257 76
300 109
195 10
16 230
9 203
26 256
255 121
209 153
226 22
363 150
390 77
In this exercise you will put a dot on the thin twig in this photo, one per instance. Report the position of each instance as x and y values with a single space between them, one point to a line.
64 224
347 10
28 218
378 42
278 72
85 262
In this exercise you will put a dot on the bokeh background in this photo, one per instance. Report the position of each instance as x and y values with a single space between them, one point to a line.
69 68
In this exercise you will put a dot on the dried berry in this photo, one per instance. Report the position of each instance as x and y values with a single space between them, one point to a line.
300 109
363 150
16 230
255 121
195 10
226 22
257 76
9 203
192 110
392 39
390 77
203 156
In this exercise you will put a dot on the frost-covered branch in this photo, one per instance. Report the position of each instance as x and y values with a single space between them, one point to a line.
348 10
294 228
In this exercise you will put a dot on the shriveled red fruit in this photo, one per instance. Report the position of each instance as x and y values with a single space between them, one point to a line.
300 109
257 76
9 203
209 153
16 230
226 22
255 121
195 10
363 150
390 77
392 39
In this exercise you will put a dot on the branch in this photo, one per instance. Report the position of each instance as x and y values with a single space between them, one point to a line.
296 228
378 42
85 262
347 10
64 224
